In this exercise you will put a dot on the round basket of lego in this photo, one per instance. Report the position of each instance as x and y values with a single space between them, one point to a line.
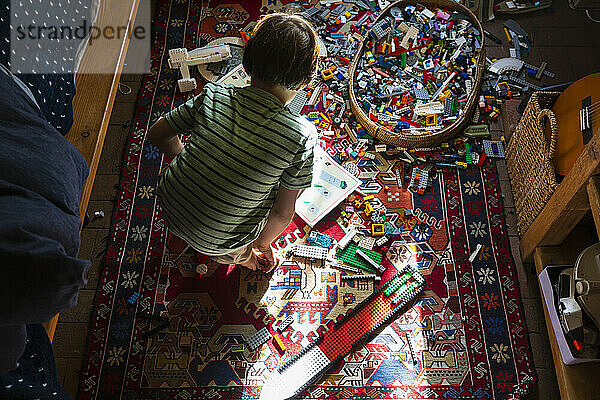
417 73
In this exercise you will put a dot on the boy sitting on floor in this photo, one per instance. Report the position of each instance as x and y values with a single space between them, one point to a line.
231 191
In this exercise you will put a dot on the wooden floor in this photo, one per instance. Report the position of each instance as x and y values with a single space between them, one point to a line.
563 38
72 330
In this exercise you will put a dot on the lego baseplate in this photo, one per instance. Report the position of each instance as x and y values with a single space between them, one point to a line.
303 250
298 102
289 380
258 339
493 148
349 256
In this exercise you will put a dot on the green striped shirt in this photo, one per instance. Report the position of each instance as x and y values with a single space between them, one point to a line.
217 193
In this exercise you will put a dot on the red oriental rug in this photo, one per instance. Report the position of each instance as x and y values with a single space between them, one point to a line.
464 337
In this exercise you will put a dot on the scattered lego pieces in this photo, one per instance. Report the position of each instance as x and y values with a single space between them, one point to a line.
278 343
377 230
361 276
285 323
258 339
133 298
237 348
413 78
475 253
382 240
419 180
319 239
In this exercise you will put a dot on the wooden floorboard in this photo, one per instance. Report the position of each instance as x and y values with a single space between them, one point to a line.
71 337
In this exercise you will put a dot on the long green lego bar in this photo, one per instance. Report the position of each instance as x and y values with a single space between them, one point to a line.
292 378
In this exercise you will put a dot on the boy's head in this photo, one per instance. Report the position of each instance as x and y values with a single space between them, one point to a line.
283 50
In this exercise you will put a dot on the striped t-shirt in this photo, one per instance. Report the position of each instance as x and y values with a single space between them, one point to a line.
217 193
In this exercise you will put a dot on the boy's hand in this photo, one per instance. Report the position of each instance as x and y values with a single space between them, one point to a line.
265 255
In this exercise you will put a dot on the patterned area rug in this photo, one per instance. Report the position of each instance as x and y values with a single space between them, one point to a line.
464 338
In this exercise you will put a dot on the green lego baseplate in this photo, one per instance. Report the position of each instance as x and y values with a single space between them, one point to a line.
349 256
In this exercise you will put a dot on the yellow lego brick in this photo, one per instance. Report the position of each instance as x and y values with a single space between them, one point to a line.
326 74
368 208
237 348
377 230
431 120
278 343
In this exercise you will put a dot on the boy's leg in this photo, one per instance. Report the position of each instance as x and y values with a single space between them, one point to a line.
243 256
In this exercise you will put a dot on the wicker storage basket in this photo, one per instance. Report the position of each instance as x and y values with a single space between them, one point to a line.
529 159
434 138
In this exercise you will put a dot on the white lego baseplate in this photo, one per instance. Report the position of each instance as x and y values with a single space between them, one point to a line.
367 243
303 250
298 102
258 339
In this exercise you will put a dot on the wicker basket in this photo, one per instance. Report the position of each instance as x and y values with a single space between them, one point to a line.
529 159
434 138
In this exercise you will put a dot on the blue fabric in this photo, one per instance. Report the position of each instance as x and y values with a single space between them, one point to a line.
35 377
53 92
41 176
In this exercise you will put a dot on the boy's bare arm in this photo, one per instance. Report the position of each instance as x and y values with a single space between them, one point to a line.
165 138
279 218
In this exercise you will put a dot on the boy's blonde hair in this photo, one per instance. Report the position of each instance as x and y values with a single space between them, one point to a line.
283 50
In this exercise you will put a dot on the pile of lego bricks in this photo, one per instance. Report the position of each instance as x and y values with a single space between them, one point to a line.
413 92
417 69
452 46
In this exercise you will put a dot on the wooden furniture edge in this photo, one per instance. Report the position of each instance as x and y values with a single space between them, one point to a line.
593 191
95 96
567 205
578 381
